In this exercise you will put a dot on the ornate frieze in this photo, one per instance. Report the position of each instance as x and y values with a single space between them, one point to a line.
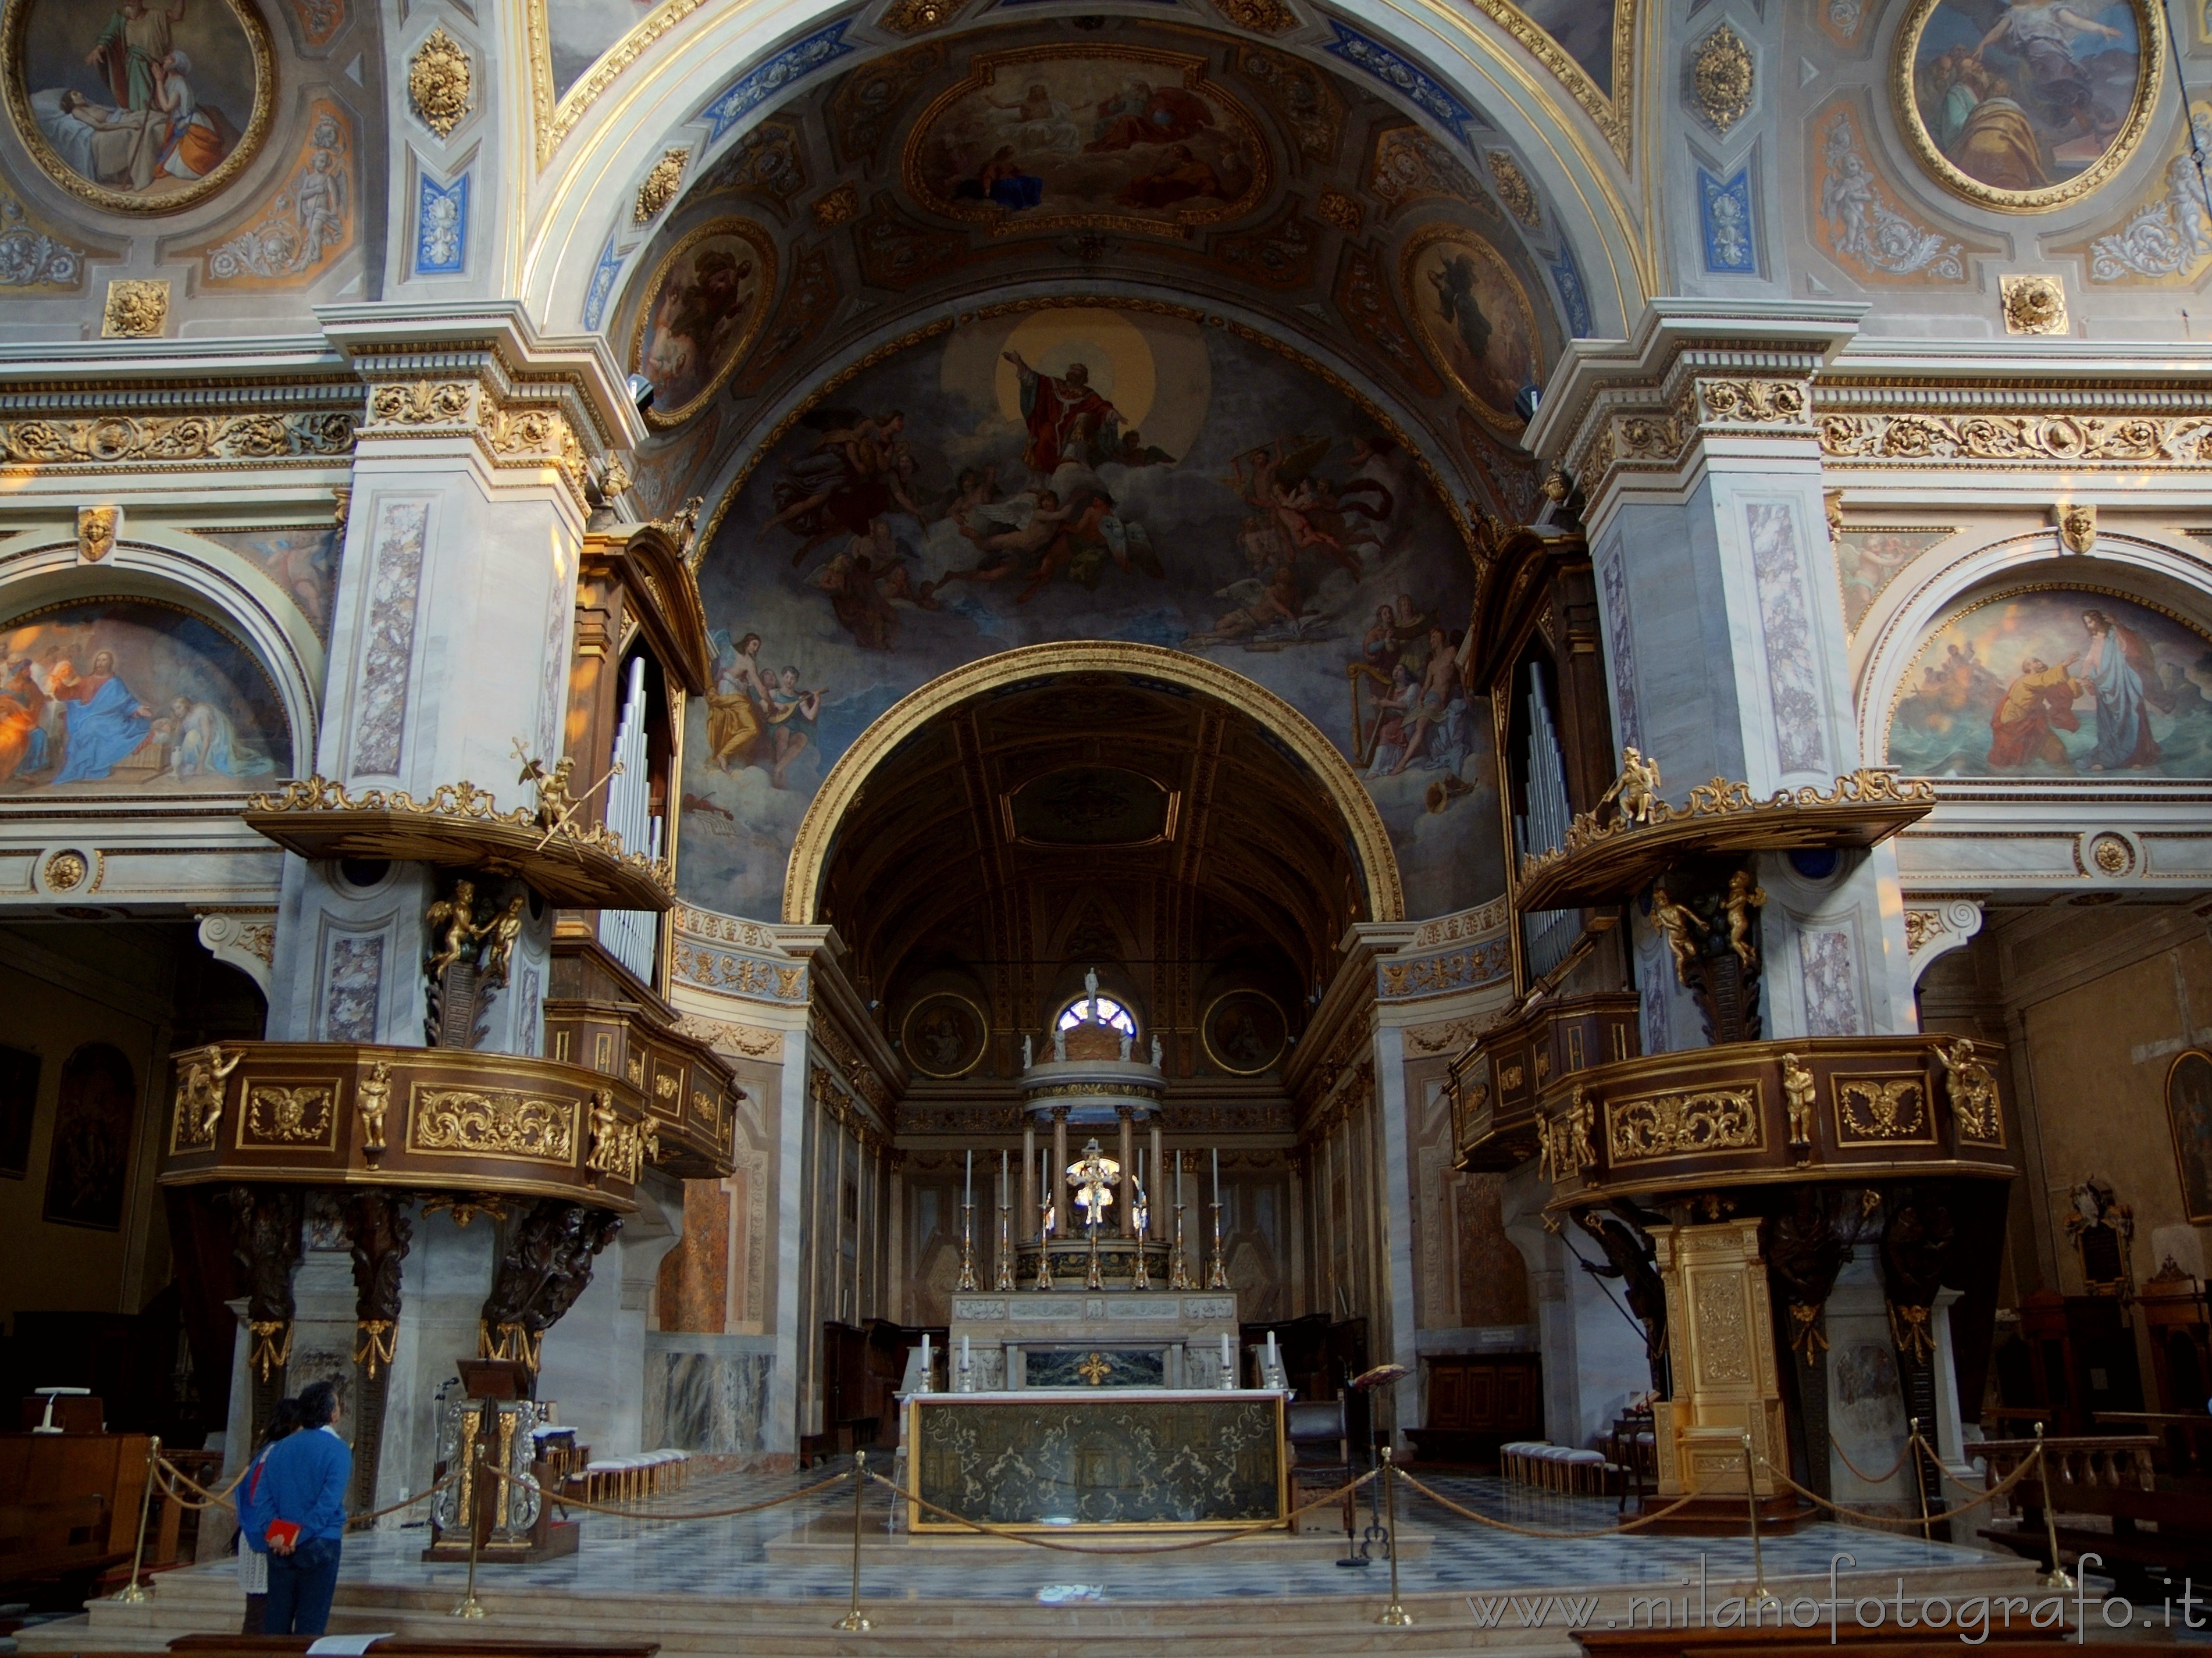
167 441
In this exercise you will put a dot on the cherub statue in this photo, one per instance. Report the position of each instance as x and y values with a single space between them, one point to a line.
1743 899
452 922
606 1133
199 1093
1797 1090
553 803
1972 1089
1679 928
1547 1151
1581 1117
1635 793
374 1100
506 928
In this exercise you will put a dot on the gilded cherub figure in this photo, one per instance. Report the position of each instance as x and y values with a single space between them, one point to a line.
1635 793
374 1100
1679 928
506 928
1797 1090
452 923
1972 1089
606 1154
199 1094
1581 1119
554 801
1743 897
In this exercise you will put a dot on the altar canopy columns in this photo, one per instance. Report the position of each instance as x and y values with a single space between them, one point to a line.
1694 449
1156 1192
1026 1220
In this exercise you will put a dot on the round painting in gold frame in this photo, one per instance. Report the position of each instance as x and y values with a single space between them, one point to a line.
1473 317
2031 111
1244 1032
944 1035
128 134
703 309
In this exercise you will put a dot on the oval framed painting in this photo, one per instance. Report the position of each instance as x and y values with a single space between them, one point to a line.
944 1035
142 107
1475 317
703 309
1244 1032
2026 104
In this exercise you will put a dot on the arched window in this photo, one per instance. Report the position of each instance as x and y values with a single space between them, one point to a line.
1110 1012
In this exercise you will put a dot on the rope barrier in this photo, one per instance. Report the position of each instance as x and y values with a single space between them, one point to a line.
567 1501
1987 1496
1231 1529
168 1475
1641 1521
1837 1445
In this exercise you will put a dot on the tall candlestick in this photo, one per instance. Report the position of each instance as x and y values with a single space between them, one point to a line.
924 1387
1003 1156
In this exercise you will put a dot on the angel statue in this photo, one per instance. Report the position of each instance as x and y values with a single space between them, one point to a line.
1635 793
1679 928
452 923
1743 899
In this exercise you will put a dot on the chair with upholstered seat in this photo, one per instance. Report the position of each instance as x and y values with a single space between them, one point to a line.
1319 1437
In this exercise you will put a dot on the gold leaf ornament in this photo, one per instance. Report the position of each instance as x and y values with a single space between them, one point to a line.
441 82
1721 78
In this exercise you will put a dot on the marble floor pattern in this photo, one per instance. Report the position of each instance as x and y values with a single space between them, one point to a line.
728 1558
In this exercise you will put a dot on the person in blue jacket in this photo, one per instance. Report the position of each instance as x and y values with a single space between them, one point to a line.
254 1517
304 1482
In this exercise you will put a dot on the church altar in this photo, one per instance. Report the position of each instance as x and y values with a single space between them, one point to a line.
1104 1458
1026 1340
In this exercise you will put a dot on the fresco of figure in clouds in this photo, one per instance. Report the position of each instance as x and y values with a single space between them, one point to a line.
1079 472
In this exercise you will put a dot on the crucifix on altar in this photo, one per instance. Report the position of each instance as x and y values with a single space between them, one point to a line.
1093 1176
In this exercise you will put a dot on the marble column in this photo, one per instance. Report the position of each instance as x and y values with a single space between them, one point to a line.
1025 1219
1694 447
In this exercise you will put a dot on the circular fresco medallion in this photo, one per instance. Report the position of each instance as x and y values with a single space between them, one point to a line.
1087 137
145 107
1243 1032
1475 317
2028 105
944 1035
701 310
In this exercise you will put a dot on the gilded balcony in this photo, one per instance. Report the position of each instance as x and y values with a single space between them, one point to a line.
344 1113
1497 1085
1845 1108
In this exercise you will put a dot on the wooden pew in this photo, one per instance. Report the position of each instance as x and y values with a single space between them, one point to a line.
68 1503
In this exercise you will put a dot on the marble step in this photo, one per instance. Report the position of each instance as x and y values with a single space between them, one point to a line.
1228 1627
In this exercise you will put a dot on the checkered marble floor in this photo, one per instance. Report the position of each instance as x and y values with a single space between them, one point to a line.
729 1557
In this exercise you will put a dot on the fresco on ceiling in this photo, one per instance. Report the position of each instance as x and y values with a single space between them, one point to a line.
1085 473
2026 94
1474 316
2054 682
1867 561
702 307
127 696
578 32
303 562
1583 29
144 104
1104 135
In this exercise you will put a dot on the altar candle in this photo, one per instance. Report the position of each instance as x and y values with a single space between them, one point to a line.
968 1192
966 1358
1228 1363
1217 1177
925 1360
1003 1156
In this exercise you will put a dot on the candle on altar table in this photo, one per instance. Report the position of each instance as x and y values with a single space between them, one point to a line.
1228 1363
1217 1177
925 1360
1003 1156
968 1192
965 1357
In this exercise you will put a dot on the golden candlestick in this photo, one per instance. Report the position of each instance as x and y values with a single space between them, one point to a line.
1178 1267
1044 1245
1217 1276
1005 1280
967 1247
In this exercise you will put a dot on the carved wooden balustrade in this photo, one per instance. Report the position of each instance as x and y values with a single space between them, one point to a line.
1854 1109
2072 1468
1496 1085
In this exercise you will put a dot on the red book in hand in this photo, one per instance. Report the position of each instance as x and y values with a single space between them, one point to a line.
284 1532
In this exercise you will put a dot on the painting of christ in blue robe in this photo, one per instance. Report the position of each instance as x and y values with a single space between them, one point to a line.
106 722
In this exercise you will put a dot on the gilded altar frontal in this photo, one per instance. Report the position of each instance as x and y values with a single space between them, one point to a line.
932 784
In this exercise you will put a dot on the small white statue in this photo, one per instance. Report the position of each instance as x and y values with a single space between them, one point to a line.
1090 990
1126 1039
1059 1045
1156 1053
1026 1060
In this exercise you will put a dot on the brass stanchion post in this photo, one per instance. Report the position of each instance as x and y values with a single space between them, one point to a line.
131 1594
1395 1616
1759 1593
853 1620
2057 1577
469 1606
1919 1477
